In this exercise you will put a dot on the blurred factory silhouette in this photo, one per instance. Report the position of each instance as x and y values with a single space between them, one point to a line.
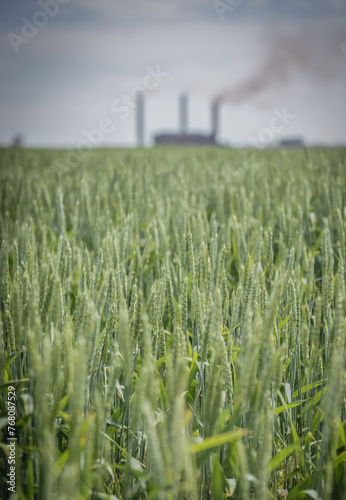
87 64
140 119
183 137
183 113
291 142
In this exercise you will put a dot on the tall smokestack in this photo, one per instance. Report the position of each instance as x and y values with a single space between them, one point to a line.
140 118
183 113
214 119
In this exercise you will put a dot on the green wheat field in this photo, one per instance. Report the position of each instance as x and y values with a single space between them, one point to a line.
173 324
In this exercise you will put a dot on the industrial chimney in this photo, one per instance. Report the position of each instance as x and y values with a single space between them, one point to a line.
214 119
183 113
140 118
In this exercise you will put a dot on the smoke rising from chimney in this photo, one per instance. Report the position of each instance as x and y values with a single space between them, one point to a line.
309 53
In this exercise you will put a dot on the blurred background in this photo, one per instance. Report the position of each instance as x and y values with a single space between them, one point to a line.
81 73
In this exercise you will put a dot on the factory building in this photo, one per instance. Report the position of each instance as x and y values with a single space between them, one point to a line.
140 119
182 137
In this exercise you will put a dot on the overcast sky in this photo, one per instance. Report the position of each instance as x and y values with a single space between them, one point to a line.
63 79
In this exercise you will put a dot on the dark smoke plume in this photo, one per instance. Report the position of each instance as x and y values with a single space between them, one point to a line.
309 53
